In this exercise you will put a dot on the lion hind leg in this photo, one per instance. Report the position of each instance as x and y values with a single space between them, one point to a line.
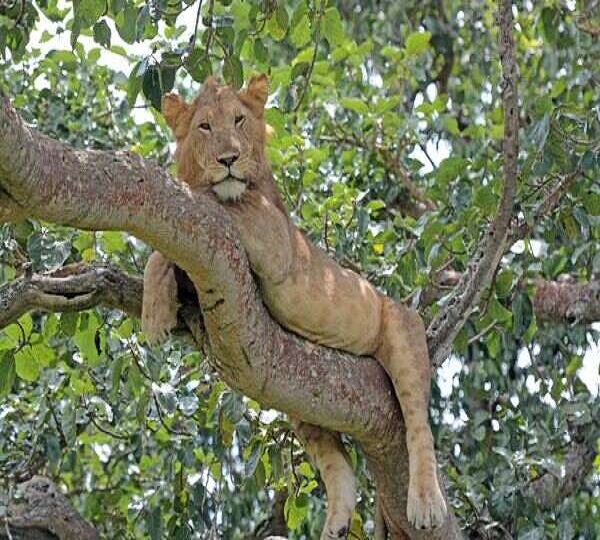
403 353
159 304
329 456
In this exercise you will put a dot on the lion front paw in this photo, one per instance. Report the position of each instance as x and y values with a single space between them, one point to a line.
158 323
426 508
159 306
333 532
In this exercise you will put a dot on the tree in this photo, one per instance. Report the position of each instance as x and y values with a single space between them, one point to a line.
496 244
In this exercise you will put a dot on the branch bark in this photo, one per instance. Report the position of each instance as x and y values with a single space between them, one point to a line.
567 301
564 301
42 512
480 270
121 191
73 288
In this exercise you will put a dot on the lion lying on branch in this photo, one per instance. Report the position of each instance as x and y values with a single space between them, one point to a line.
221 150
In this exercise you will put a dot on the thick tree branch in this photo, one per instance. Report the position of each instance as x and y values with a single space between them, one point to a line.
9 209
107 190
480 270
567 301
42 512
73 288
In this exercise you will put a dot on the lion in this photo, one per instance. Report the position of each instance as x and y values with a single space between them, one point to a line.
220 151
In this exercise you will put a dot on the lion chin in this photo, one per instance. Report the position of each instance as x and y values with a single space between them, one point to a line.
230 189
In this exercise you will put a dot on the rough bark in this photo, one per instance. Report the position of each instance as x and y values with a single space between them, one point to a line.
42 512
71 289
567 301
564 301
121 191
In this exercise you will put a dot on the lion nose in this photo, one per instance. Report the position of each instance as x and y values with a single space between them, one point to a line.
228 159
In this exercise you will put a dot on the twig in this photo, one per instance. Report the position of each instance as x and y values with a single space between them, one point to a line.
106 431
20 15
6 525
318 17
211 8
547 205
194 36
483 332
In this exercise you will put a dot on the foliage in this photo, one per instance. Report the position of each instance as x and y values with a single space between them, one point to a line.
387 143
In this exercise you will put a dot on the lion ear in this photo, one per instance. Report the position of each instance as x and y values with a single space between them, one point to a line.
255 95
173 108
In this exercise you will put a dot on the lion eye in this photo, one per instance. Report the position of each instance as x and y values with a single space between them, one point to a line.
204 126
239 120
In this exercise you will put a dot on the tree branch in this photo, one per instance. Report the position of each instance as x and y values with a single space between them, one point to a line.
564 301
42 512
73 288
567 301
253 354
480 270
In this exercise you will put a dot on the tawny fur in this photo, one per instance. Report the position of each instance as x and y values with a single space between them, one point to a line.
304 289
159 303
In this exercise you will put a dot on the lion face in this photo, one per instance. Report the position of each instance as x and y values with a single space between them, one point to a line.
220 137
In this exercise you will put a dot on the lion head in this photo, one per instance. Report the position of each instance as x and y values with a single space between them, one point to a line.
220 137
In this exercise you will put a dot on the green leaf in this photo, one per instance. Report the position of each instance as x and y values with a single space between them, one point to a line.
522 311
504 282
550 21
198 65
255 453
295 510
332 27
485 199
89 11
498 311
26 365
89 339
276 462
574 364
65 58
154 523
355 104
7 372
46 251
68 323
300 34
277 24
282 17
152 86
386 104
113 241
450 168
233 72
260 51
591 203
102 33
417 43
126 22
134 83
